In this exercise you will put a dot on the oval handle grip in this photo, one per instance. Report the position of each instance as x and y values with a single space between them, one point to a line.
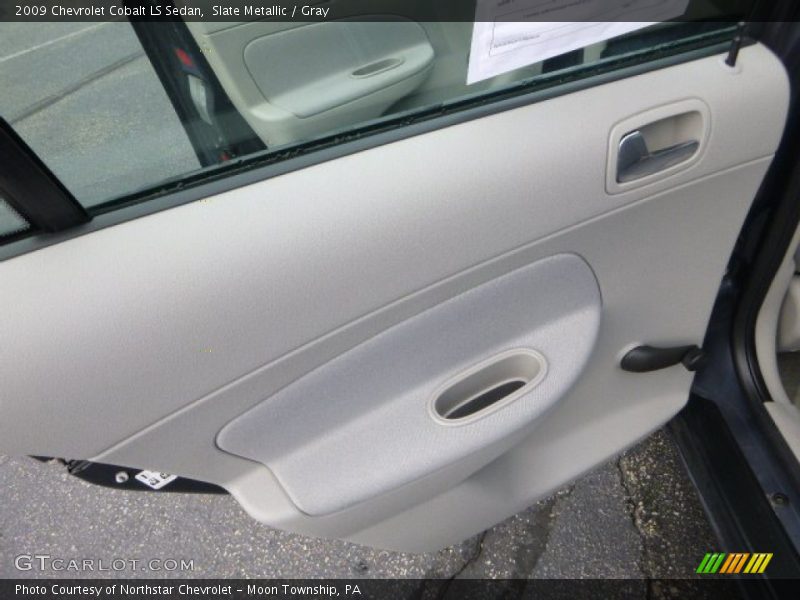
644 359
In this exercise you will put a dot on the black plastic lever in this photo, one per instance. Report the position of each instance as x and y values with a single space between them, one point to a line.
643 359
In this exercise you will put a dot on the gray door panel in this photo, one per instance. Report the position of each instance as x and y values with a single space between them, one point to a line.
138 344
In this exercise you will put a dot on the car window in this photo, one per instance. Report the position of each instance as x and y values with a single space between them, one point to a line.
132 109
86 99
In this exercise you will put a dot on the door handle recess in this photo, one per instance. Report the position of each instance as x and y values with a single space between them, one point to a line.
636 161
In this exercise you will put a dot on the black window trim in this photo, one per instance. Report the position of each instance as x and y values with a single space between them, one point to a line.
31 189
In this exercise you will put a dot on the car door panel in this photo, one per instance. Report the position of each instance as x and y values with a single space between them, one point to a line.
186 319
353 429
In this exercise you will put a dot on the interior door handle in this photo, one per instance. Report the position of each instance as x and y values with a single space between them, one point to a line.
636 161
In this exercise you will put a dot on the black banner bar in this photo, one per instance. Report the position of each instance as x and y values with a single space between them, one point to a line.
241 11
381 589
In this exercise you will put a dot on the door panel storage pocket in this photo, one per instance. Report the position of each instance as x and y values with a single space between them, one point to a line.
431 399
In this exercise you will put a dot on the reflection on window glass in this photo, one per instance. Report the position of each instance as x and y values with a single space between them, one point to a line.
10 221
86 99
116 108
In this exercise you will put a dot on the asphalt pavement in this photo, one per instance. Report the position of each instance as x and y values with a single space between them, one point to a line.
637 517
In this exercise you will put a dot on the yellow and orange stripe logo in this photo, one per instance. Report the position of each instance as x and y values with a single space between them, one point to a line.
734 562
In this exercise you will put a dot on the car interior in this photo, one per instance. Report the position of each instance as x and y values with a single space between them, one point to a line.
778 344
417 331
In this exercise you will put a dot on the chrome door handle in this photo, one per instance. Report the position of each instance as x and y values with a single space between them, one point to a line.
635 161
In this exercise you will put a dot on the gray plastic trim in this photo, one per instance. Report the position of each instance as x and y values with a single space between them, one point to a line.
361 425
135 344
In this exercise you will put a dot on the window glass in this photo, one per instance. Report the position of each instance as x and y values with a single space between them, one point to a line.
122 108
10 221
86 99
